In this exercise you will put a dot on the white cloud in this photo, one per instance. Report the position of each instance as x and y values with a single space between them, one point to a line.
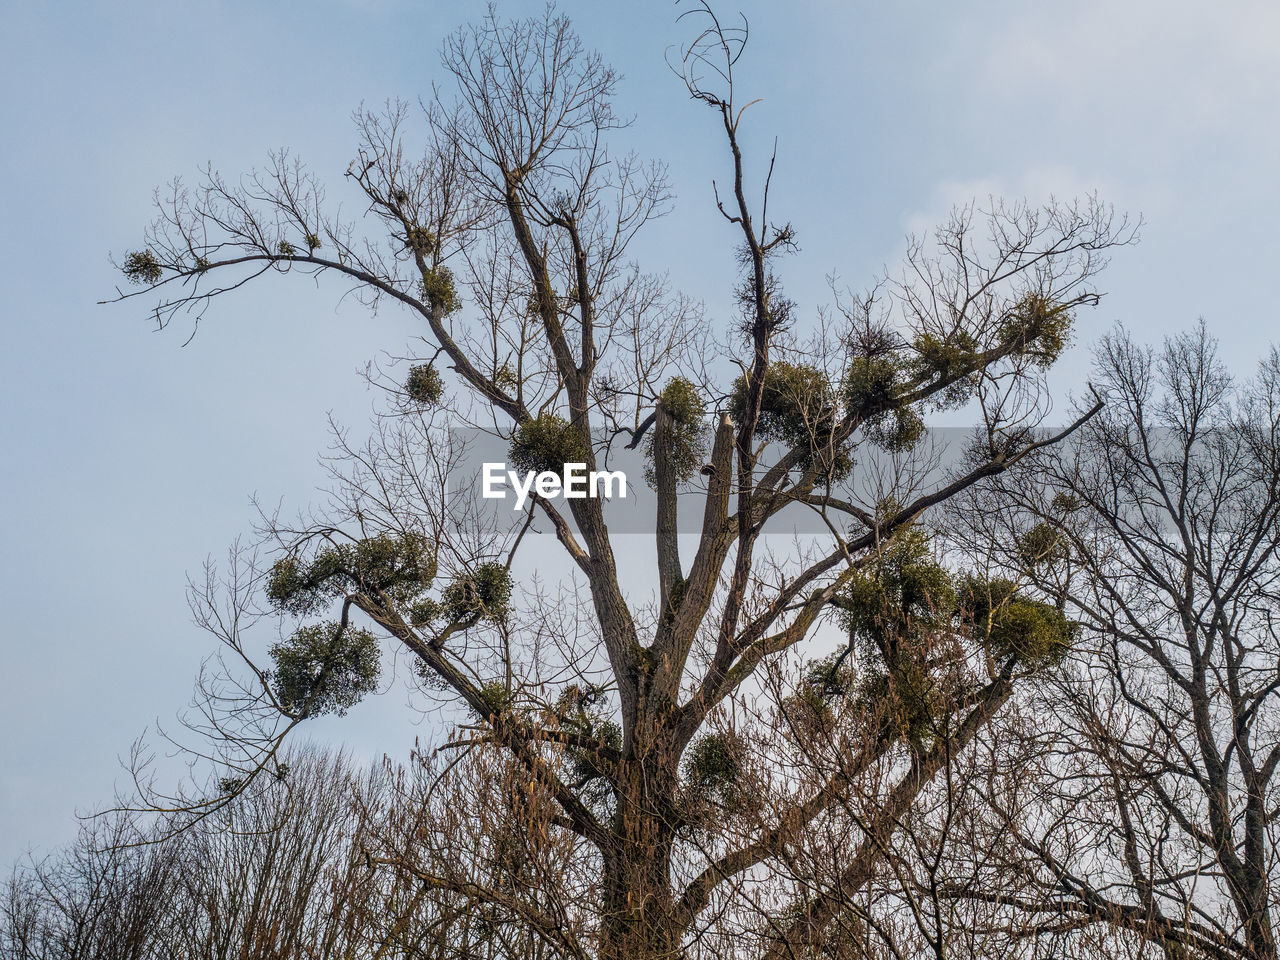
1176 68
1036 186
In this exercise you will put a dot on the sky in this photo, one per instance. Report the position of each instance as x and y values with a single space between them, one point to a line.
127 458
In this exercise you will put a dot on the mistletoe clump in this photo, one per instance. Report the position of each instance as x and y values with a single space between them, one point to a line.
796 403
438 290
895 610
871 383
497 699
420 240
424 613
480 594
714 771
1065 503
901 592
798 408
908 696
685 440
1038 328
325 668
579 710
1011 625
545 443
424 384
944 356
896 430
950 358
397 567
590 763
1042 544
830 677
142 267
505 378
681 400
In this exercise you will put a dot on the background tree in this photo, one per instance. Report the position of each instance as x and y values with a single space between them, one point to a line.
104 897
685 774
294 868
1142 795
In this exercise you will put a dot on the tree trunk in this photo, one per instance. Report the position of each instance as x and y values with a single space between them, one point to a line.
639 917
1258 933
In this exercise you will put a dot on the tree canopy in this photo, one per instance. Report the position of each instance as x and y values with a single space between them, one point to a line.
717 761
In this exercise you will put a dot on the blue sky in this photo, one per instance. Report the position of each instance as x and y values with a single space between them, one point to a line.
128 458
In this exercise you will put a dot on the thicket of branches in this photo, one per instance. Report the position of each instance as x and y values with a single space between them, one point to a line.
326 861
1143 797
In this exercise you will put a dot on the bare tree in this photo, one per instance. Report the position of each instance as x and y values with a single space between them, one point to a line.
685 771
104 898
1148 804
289 870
